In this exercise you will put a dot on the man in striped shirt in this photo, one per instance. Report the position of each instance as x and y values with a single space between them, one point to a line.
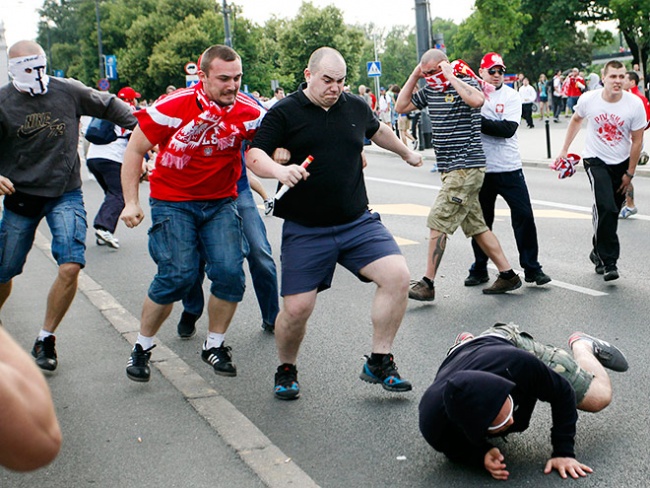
454 102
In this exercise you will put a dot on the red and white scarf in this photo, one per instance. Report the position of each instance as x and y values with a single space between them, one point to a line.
439 83
188 138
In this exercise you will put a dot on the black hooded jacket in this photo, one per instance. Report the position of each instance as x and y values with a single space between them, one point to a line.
470 388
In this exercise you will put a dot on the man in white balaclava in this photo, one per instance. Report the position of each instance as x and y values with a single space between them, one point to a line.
40 177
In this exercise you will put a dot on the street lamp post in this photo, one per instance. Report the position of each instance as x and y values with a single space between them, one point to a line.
226 24
100 53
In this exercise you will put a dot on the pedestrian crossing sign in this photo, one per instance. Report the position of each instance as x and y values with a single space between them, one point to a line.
374 68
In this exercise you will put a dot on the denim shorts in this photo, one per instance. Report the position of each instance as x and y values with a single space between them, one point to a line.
66 218
310 254
457 203
183 233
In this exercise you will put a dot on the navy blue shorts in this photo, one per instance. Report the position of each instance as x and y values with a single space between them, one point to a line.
310 254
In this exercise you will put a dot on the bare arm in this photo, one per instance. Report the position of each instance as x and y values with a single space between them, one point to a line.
263 166
574 127
403 104
138 146
386 138
470 95
30 432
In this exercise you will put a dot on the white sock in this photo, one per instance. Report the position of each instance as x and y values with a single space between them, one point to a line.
213 340
144 341
43 334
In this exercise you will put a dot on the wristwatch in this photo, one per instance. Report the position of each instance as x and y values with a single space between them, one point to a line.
629 175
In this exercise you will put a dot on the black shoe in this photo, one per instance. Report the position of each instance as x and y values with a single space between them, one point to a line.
266 327
600 266
286 382
386 374
45 353
220 359
137 369
538 277
186 327
474 278
608 355
611 273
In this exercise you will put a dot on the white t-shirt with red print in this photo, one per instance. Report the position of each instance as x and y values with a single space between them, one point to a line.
610 125
214 167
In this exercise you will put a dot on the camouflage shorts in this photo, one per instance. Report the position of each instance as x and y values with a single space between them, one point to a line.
555 358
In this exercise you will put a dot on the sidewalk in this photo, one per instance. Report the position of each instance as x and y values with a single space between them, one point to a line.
175 431
533 146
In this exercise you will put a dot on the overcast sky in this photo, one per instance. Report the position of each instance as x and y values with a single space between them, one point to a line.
21 20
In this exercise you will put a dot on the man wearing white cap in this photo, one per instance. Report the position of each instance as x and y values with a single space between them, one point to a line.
500 115
40 177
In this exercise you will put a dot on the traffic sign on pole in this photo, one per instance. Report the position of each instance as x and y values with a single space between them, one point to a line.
374 68
103 84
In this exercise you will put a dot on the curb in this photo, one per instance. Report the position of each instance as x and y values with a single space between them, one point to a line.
274 468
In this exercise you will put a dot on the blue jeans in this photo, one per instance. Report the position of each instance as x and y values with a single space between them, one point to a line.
572 102
66 218
260 262
511 185
182 235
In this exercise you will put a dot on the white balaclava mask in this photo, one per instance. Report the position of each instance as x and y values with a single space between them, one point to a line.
28 74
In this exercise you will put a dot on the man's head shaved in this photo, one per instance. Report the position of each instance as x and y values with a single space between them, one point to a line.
435 55
323 54
25 48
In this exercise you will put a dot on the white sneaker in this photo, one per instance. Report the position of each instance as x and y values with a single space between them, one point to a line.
627 211
268 206
105 238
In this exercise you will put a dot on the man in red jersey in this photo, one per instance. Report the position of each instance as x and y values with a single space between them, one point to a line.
200 131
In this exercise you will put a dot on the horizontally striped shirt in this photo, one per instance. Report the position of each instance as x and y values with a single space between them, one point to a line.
456 128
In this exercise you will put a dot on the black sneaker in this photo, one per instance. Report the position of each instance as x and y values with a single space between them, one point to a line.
386 374
186 327
266 327
538 277
610 273
220 359
608 355
137 369
475 278
600 266
45 353
286 382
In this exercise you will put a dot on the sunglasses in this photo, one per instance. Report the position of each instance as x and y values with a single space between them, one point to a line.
496 71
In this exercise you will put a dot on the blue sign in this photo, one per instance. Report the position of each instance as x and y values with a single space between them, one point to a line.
103 84
110 65
58 73
374 68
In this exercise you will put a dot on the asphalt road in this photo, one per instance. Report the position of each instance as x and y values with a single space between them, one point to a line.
344 432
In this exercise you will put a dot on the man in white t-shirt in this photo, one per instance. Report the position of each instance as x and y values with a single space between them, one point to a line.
500 116
616 120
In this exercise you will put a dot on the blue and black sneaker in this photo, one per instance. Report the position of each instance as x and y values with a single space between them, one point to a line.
384 373
286 382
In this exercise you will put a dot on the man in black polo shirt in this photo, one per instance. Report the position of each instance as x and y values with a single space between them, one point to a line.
327 220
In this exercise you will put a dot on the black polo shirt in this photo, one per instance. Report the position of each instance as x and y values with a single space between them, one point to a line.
335 192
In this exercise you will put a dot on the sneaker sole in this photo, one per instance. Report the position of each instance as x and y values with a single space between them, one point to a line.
220 373
611 276
186 336
375 381
137 378
103 242
542 281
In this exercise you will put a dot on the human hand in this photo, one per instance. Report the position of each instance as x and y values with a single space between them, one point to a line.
493 462
6 186
414 159
570 466
281 155
446 69
291 175
132 215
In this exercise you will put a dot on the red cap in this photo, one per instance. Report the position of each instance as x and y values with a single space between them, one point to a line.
491 60
128 93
